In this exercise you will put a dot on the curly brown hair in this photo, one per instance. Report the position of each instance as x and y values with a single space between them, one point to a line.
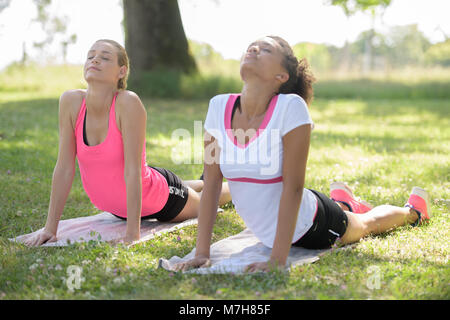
300 76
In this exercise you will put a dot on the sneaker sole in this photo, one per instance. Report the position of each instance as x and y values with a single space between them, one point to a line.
346 189
341 186
424 195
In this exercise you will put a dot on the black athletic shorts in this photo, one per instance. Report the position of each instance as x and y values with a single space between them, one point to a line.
329 224
178 196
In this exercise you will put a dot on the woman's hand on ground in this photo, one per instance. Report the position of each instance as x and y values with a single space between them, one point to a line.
197 262
40 238
127 241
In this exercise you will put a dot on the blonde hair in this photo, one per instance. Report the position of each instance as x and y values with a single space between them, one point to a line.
122 60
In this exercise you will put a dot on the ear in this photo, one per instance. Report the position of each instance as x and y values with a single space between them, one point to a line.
122 72
282 77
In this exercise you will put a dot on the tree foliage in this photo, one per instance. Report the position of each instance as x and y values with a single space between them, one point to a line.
318 55
439 54
53 26
350 7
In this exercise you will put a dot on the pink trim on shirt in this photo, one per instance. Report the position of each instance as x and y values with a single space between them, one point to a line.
229 110
260 181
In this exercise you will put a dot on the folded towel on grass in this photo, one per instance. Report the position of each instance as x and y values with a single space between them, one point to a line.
104 227
233 254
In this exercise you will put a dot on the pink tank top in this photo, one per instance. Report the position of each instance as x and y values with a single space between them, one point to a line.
102 171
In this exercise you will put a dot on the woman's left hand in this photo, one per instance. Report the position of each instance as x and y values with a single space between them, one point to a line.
264 266
127 240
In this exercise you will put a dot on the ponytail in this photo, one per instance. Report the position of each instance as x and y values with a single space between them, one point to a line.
300 76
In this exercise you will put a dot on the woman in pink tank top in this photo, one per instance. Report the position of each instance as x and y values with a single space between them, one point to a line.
103 128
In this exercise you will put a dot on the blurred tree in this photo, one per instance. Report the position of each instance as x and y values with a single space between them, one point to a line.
406 45
53 26
204 51
4 4
317 55
379 49
350 7
211 62
375 8
439 54
154 36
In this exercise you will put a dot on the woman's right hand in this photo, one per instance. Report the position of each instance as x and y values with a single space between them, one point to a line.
197 262
40 238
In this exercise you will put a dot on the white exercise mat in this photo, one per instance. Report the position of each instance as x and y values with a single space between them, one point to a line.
104 227
233 254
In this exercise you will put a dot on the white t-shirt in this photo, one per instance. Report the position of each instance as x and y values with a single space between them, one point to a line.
254 171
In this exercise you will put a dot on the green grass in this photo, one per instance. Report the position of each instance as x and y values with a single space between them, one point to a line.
49 81
381 148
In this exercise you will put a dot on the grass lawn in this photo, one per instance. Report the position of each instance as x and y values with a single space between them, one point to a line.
381 148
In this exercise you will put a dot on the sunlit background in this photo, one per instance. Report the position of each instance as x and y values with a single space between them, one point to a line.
228 26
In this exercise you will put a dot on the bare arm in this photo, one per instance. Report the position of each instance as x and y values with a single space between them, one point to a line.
133 121
295 155
210 197
64 170
209 202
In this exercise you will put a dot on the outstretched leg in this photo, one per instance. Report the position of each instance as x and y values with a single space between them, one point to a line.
376 221
197 185
190 210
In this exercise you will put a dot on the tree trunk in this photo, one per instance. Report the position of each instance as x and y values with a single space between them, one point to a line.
154 36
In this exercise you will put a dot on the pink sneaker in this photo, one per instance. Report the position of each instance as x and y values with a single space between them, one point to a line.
418 200
340 192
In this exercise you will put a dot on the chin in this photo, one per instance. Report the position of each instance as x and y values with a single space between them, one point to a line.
246 70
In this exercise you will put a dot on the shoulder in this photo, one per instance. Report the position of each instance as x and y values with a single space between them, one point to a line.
292 105
219 100
129 110
128 104
70 103
72 97
126 97
292 99
217 105
293 112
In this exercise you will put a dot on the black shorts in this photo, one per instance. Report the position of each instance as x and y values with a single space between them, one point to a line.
178 196
329 224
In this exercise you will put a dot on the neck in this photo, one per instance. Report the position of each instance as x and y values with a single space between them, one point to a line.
255 98
99 98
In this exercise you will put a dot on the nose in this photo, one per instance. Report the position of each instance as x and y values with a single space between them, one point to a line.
253 49
95 60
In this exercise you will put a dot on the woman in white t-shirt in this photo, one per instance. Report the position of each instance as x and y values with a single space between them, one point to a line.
259 141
